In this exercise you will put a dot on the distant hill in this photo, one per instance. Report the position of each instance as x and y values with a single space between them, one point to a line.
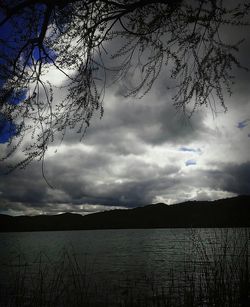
230 212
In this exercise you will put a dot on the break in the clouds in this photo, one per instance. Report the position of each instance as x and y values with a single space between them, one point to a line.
190 162
243 123
142 151
189 149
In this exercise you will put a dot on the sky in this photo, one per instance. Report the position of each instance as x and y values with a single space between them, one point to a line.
142 151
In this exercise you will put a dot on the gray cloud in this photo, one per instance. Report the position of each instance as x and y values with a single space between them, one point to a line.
129 125
141 151
117 164
234 178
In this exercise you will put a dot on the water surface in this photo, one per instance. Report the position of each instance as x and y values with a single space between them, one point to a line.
119 257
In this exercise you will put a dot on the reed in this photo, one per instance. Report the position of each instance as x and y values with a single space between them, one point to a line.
215 274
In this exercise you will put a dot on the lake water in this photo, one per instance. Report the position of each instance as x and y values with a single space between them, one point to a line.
117 258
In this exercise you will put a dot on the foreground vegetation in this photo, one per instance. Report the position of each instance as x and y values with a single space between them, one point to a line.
215 274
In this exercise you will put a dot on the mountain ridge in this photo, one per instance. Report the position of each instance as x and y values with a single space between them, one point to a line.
229 212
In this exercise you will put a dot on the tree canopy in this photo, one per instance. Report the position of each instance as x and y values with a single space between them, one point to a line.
94 43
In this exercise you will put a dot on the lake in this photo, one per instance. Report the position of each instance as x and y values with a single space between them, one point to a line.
117 261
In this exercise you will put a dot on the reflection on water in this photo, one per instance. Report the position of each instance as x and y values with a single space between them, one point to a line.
124 258
107 252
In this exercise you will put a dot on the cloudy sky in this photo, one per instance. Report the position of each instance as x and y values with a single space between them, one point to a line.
142 151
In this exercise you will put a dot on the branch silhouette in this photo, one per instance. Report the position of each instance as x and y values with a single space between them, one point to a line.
94 43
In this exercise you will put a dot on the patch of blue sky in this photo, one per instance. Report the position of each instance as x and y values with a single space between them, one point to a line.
11 44
11 34
13 37
243 124
49 56
190 162
14 97
17 97
7 129
190 149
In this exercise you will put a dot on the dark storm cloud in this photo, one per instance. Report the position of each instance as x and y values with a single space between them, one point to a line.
111 169
128 126
130 123
21 185
242 75
233 178
77 181
90 182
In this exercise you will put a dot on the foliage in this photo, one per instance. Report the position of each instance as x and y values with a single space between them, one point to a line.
94 43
